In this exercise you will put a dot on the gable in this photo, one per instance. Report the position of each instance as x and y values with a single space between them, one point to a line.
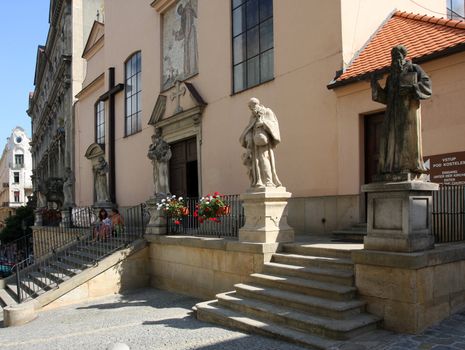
95 40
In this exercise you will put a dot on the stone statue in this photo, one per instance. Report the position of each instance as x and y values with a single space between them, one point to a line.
400 150
41 191
100 178
259 139
68 187
160 154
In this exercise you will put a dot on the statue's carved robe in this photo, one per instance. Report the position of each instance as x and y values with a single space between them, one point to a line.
400 144
263 169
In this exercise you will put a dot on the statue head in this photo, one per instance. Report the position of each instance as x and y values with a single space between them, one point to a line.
254 104
398 54
158 132
180 9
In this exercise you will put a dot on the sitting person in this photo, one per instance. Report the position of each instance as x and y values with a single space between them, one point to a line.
117 222
103 228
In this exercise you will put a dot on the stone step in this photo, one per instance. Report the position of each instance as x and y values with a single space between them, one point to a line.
335 276
7 298
84 255
65 268
321 326
316 250
313 261
31 288
54 274
349 235
42 280
211 312
74 261
309 287
318 306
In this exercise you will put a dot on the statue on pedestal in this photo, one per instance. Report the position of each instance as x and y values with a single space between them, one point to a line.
259 139
68 188
101 169
400 150
160 154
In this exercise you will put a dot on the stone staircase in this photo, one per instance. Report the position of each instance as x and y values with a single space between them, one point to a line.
355 233
305 295
56 275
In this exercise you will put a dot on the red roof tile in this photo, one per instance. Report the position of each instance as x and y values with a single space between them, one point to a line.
422 35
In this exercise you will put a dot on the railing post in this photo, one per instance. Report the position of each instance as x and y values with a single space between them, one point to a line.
18 284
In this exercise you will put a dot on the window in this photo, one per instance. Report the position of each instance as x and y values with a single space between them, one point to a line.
16 196
253 50
19 159
16 177
100 123
133 94
456 9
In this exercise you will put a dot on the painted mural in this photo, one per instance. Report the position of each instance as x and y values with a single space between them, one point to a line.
180 54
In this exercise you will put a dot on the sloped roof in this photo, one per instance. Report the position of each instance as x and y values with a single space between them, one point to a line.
425 38
95 37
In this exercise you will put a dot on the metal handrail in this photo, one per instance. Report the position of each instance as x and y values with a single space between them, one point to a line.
34 276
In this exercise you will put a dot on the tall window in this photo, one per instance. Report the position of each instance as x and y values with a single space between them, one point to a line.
456 9
16 196
133 94
19 159
16 177
100 123
253 57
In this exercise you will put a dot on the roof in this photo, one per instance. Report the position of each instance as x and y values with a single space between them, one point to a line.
425 38
95 38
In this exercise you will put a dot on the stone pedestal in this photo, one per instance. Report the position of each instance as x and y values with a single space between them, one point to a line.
266 216
38 218
157 224
66 218
399 216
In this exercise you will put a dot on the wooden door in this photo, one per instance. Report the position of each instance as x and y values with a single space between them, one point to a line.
183 168
373 128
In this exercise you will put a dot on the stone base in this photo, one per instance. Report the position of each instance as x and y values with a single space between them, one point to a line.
399 216
157 224
66 218
266 216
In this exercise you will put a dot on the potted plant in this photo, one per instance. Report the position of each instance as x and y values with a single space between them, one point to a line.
174 207
211 207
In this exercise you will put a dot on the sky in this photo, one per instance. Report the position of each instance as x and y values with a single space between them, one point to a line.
23 26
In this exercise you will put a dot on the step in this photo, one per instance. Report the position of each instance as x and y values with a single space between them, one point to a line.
350 236
31 288
84 255
313 261
316 250
318 306
335 276
321 326
7 298
42 280
74 261
211 312
54 274
309 287
65 268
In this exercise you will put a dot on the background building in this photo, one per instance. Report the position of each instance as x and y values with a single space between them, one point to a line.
15 173
58 77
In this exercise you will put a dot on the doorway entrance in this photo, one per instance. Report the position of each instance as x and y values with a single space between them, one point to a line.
373 129
184 179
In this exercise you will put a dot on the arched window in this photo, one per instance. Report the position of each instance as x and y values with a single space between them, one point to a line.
100 123
133 88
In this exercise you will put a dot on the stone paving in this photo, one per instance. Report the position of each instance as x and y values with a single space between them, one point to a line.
153 319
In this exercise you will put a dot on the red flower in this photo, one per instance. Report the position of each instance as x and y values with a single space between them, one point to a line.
177 222
196 213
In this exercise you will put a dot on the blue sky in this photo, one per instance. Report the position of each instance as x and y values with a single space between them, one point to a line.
23 26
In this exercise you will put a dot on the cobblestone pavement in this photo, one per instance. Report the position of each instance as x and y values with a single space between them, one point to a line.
153 319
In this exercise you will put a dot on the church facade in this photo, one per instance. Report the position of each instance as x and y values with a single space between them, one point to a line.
189 68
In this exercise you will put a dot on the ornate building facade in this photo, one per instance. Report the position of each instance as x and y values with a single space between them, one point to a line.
58 77
15 173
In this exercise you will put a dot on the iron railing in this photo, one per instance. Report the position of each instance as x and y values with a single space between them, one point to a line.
228 225
448 221
14 252
90 243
